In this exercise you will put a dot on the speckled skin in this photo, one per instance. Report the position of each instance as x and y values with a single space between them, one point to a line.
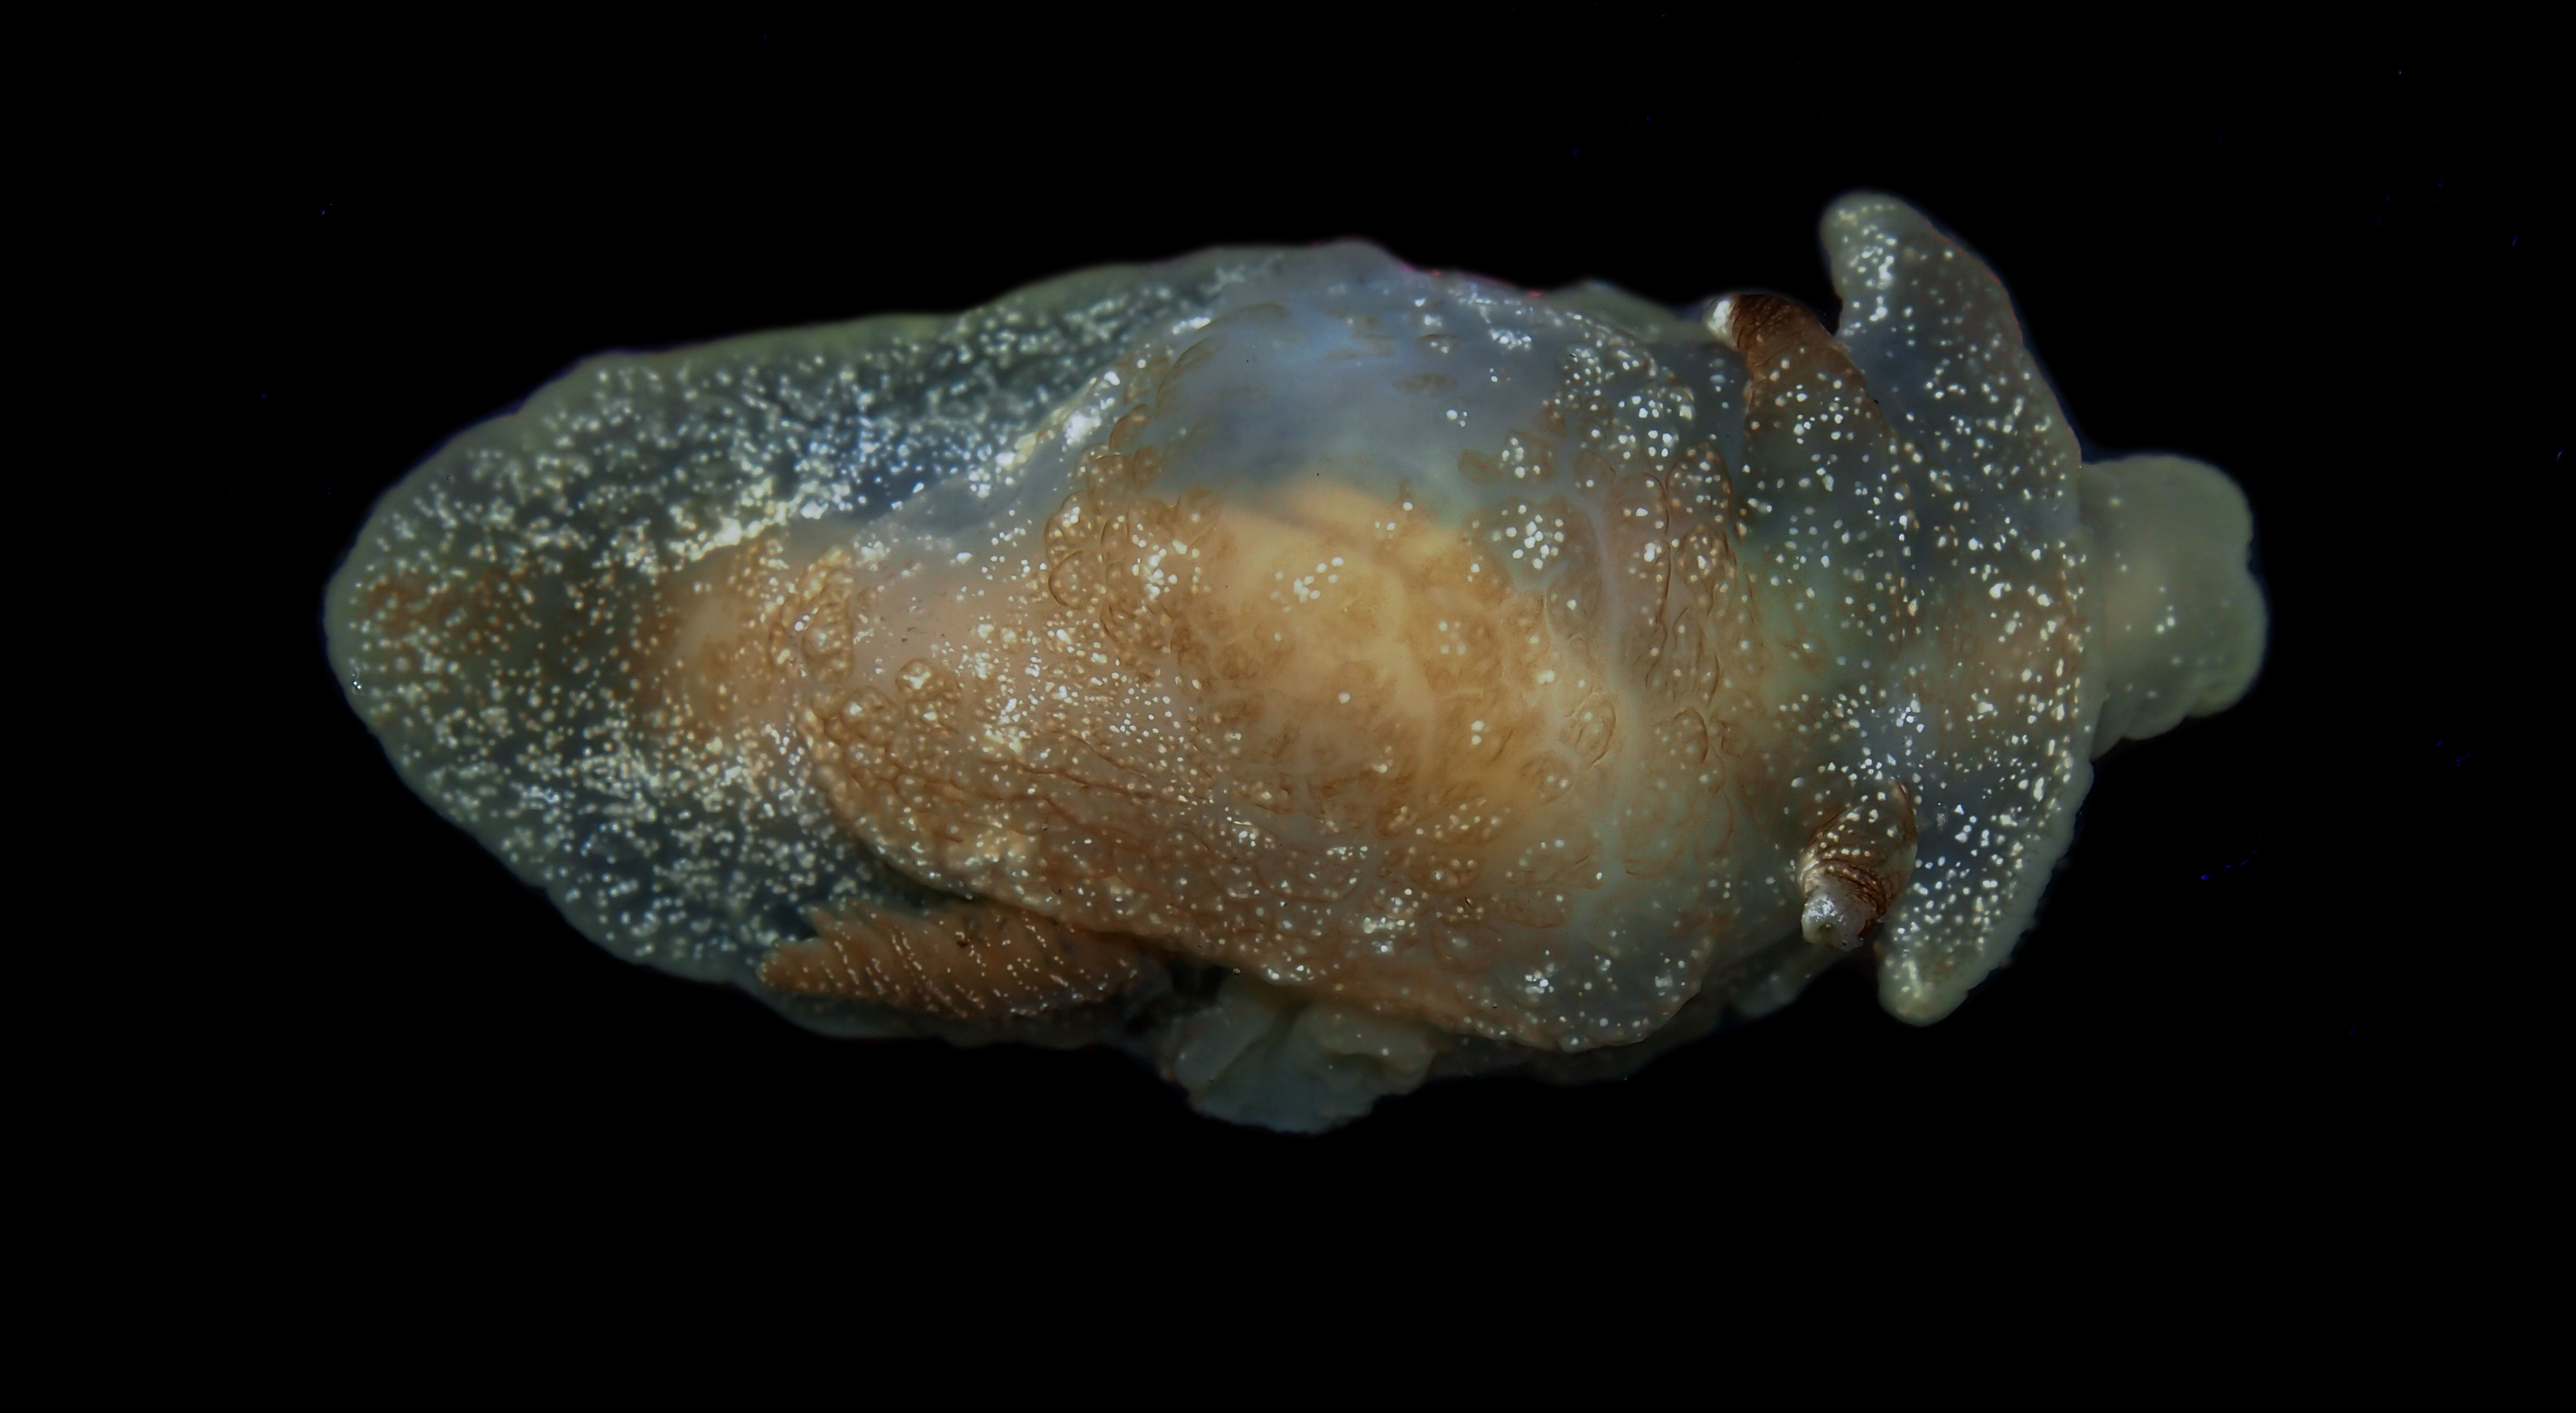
1314 673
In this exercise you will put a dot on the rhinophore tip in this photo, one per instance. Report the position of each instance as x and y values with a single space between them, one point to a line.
1835 916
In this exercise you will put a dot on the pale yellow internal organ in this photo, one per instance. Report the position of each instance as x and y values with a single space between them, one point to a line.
1324 738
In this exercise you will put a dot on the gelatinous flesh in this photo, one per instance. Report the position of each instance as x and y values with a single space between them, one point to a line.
1326 669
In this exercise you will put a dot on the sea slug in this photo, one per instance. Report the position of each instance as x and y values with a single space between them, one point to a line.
1309 673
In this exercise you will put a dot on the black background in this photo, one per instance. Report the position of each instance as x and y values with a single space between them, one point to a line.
2316 270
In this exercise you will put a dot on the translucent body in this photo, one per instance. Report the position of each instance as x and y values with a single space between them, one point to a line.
1325 671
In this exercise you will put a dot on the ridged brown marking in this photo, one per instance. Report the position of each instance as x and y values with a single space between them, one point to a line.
969 961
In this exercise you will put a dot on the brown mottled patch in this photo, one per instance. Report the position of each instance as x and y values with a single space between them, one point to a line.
742 630
1371 748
